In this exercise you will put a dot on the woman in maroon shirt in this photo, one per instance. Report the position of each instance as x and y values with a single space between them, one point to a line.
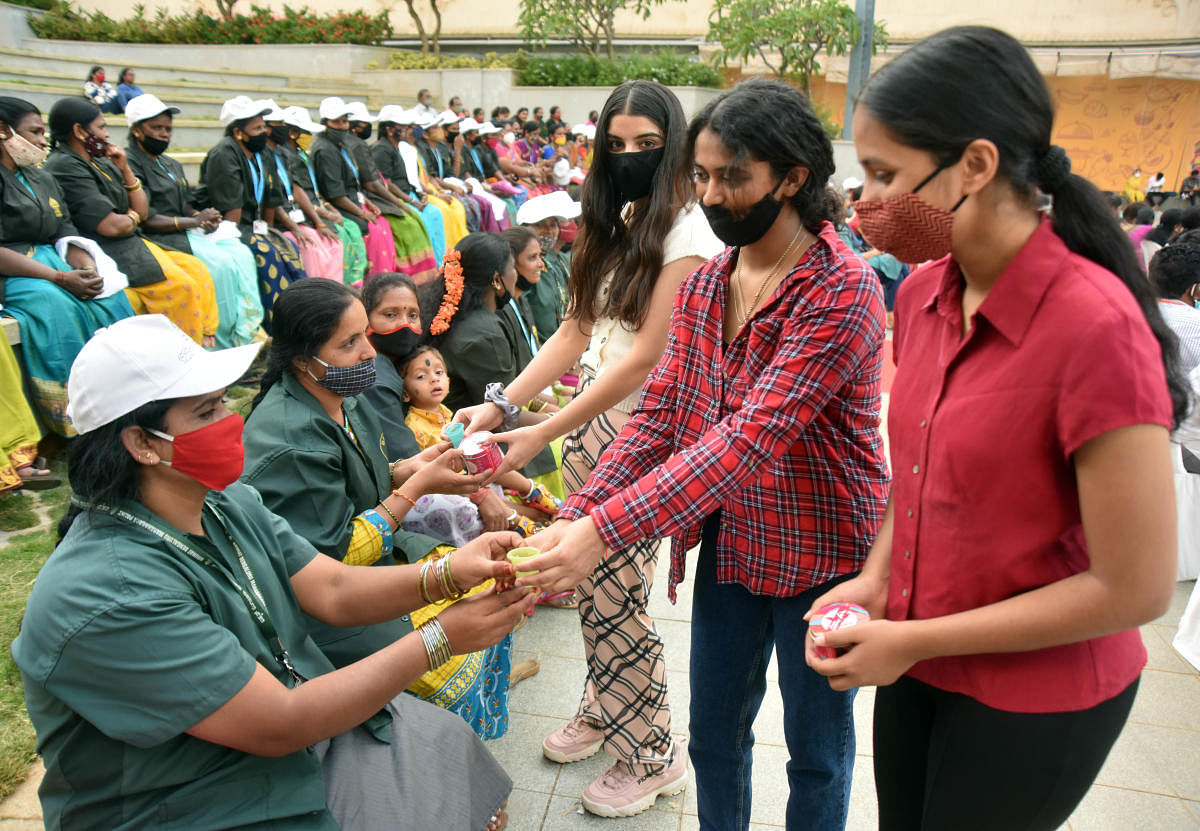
1030 527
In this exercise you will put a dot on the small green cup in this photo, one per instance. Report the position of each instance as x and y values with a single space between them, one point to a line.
520 556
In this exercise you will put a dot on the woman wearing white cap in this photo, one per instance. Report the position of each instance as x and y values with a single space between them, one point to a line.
174 223
435 164
108 205
240 182
171 573
390 153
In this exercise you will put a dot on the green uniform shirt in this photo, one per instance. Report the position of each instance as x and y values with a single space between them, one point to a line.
311 473
226 182
335 176
166 187
127 643
94 189
548 298
477 353
391 166
29 219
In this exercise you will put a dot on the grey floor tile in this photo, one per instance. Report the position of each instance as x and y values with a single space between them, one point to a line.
551 632
1114 809
519 752
677 643
1193 808
1159 652
1179 599
1176 752
554 691
527 810
564 815
864 808
1170 699
1133 762
864 711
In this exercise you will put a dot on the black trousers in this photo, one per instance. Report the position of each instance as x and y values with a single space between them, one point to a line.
946 762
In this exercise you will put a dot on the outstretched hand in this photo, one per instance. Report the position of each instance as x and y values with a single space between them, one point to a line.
570 553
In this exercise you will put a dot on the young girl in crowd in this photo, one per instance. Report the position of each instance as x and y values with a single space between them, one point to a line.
1030 528
641 234
426 384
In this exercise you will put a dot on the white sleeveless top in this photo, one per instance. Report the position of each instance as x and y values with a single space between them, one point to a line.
612 339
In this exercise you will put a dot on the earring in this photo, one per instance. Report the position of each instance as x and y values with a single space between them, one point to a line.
497 285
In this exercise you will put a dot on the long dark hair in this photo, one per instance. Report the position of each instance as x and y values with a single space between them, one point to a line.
66 113
483 256
124 72
518 238
305 316
791 137
632 252
101 469
12 110
376 286
921 102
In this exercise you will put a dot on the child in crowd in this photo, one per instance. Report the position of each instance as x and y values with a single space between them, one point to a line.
426 384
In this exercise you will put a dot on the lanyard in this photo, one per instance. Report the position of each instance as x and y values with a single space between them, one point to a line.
165 169
287 182
350 162
21 178
438 158
478 164
256 178
311 173
524 331
255 604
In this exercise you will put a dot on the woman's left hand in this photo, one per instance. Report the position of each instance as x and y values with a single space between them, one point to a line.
880 652
570 552
520 446
484 558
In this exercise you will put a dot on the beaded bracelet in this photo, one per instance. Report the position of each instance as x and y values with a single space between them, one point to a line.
405 497
388 511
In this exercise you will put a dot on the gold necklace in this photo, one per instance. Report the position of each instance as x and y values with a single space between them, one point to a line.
746 312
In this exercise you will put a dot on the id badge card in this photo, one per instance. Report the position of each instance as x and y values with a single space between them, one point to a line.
362 200
259 226
297 215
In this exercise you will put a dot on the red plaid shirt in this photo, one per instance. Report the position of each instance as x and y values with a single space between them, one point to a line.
779 430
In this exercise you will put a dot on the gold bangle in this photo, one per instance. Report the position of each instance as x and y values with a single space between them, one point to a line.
405 497
536 405
135 217
388 511
423 583
177 228
454 589
136 186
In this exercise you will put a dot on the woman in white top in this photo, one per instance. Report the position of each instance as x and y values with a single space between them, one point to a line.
640 234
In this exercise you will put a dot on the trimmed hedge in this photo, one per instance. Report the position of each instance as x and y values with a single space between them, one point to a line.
585 71
261 25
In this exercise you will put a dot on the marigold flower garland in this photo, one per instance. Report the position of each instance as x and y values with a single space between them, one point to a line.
452 274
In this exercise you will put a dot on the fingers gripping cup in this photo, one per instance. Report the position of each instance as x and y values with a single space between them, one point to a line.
480 457
835 616
519 556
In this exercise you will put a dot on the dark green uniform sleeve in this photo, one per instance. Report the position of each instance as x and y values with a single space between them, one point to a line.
327 166
475 359
222 179
87 204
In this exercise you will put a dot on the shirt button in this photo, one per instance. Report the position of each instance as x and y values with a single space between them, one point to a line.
904 593
910 511
923 422
908 555
916 468
404 617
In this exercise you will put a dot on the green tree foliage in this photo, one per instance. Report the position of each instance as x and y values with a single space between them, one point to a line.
588 24
587 71
788 35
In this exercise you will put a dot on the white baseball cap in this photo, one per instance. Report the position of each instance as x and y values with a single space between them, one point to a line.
146 106
358 112
298 117
851 182
142 359
588 130
558 203
275 113
334 107
487 128
393 113
425 120
468 124
448 117
242 107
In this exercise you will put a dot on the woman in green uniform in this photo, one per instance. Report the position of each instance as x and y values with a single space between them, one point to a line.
108 205
171 573
55 300
174 223
238 180
317 454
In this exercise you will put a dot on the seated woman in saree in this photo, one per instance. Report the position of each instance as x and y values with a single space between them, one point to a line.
173 223
170 572
318 457
414 248
55 301
300 130
107 204
395 128
336 175
435 164
20 465
322 250
238 180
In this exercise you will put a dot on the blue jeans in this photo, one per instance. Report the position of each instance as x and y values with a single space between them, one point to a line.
733 632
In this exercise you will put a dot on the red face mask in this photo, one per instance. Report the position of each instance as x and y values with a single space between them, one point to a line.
906 226
213 455
99 77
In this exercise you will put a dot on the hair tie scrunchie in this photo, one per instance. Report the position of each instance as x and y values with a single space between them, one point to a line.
453 276
1053 169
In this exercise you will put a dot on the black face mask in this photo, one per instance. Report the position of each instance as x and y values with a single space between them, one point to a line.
632 174
524 285
474 139
255 143
363 132
153 146
750 228
396 344
335 135
280 134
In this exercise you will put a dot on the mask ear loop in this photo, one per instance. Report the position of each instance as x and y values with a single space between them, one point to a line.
929 179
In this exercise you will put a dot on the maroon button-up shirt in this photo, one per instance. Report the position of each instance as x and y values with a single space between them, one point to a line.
982 429
779 430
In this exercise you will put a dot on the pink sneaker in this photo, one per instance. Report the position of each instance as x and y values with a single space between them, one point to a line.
619 792
575 740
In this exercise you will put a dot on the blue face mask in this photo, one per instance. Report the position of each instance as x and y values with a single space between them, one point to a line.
346 380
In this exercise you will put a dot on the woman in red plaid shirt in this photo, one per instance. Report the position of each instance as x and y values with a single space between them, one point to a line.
757 437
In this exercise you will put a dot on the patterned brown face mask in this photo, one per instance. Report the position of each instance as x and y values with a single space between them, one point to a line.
906 226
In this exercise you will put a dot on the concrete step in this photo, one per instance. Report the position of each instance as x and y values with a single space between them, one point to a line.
266 83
